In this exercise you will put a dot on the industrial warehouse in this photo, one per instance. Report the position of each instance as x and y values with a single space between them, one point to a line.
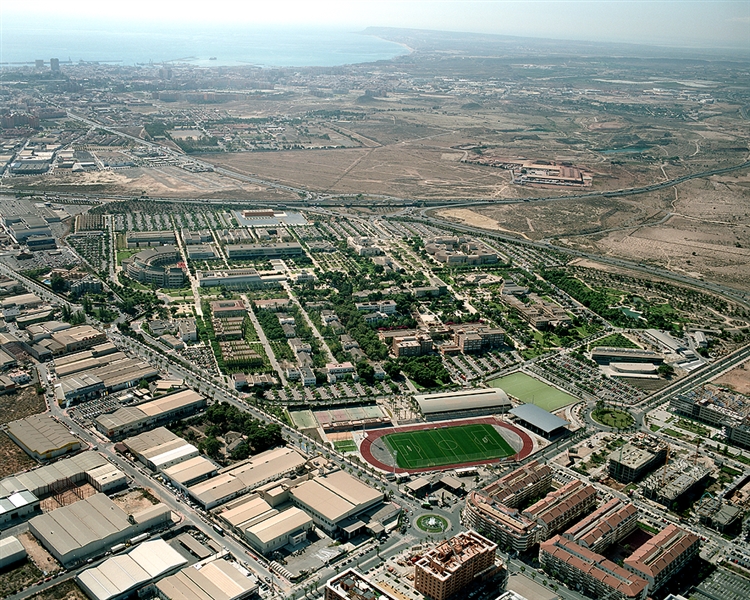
74 533
42 437
129 420
123 574
240 479
20 494
213 579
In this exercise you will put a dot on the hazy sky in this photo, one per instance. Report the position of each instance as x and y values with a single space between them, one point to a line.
676 22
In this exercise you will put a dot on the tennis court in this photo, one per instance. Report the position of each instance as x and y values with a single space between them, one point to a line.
447 445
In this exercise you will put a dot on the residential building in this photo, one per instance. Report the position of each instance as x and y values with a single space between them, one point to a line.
351 585
608 524
411 345
453 565
589 572
663 556
558 508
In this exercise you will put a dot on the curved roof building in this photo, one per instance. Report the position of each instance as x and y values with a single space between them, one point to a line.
156 265
484 401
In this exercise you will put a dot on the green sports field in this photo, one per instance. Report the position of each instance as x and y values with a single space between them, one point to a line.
533 391
447 446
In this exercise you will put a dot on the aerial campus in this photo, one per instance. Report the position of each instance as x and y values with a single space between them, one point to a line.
471 322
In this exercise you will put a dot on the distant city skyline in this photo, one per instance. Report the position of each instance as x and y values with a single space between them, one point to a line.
700 23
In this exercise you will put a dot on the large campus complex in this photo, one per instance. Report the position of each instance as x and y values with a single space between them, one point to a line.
469 322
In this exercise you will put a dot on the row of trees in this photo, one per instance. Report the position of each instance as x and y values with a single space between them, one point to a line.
270 324
224 417
427 371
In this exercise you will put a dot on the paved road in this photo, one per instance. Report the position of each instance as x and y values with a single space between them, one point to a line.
738 296
264 340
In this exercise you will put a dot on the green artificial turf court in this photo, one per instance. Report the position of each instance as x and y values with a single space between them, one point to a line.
533 391
447 445
345 445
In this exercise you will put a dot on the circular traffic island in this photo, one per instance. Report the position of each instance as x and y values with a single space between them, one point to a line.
432 523
613 417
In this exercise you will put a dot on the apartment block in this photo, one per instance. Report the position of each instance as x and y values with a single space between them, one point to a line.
453 565
663 556
608 524
590 572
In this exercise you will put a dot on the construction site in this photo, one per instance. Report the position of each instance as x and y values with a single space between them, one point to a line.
673 481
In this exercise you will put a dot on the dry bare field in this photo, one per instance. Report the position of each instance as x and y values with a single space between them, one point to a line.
737 379
403 171
23 403
12 458
67 590
700 228
168 181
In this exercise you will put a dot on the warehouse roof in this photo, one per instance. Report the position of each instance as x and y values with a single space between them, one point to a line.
42 434
217 580
282 523
127 572
182 452
71 528
170 402
10 546
253 507
132 414
142 443
39 480
538 417
190 470
325 502
336 496
462 400
257 470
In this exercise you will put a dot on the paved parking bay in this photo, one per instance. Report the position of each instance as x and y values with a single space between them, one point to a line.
722 585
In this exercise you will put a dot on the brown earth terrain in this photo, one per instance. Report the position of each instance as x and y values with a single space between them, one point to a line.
738 379
23 403
12 458
16 578
165 181
135 500
38 554
700 228
67 590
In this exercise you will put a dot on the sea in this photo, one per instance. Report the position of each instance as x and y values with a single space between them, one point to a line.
22 41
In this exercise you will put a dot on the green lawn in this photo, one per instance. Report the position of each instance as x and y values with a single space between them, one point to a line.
446 446
123 254
612 417
533 391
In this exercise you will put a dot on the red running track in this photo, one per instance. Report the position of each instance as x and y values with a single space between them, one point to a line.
366 450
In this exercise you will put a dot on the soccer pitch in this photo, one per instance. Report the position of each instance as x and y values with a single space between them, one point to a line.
532 391
447 446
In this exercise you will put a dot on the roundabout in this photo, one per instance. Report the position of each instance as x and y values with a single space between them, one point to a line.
431 523
612 417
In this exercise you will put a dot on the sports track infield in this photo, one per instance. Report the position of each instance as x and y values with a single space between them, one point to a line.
446 445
